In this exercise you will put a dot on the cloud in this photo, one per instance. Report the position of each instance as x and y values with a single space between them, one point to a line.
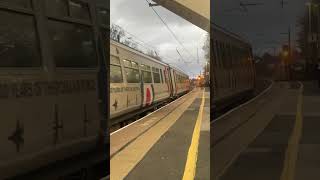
137 18
261 24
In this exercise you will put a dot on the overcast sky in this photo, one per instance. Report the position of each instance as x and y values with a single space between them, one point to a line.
262 25
136 17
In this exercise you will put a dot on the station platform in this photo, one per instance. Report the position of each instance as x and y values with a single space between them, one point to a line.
274 136
170 143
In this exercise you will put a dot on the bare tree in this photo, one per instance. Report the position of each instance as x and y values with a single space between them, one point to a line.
116 32
206 47
154 54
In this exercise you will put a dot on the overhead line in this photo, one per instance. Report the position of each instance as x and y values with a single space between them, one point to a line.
167 26
146 45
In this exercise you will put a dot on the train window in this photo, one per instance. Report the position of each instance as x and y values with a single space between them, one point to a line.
132 75
114 60
142 67
162 80
127 63
145 67
146 76
18 3
156 78
155 69
164 76
18 41
115 74
79 9
73 45
103 16
57 8
68 8
135 65
156 75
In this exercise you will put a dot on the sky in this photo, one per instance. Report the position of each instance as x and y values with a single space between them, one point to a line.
262 25
138 19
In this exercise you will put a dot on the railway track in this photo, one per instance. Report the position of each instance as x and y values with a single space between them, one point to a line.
135 116
260 87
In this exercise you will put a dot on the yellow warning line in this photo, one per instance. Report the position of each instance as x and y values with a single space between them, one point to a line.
191 164
288 172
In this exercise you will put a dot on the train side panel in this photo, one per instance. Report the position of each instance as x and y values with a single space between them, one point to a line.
125 87
180 82
233 70
144 81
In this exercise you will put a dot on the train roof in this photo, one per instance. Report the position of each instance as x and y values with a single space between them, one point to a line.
177 69
145 55
137 52
229 33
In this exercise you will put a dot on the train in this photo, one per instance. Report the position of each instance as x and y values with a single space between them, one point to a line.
233 75
53 116
139 82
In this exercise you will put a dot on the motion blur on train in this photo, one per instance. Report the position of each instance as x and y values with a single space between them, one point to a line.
233 71
139 83
53 116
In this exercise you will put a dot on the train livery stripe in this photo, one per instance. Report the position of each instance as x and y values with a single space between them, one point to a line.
148 96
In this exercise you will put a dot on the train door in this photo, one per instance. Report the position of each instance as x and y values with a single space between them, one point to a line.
167 73
147 87
174 82
119 67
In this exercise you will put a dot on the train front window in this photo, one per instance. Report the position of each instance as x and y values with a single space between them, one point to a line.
79 10
68 8
103 16
115 74
18 41
132 75
18 3
73 45
57 8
